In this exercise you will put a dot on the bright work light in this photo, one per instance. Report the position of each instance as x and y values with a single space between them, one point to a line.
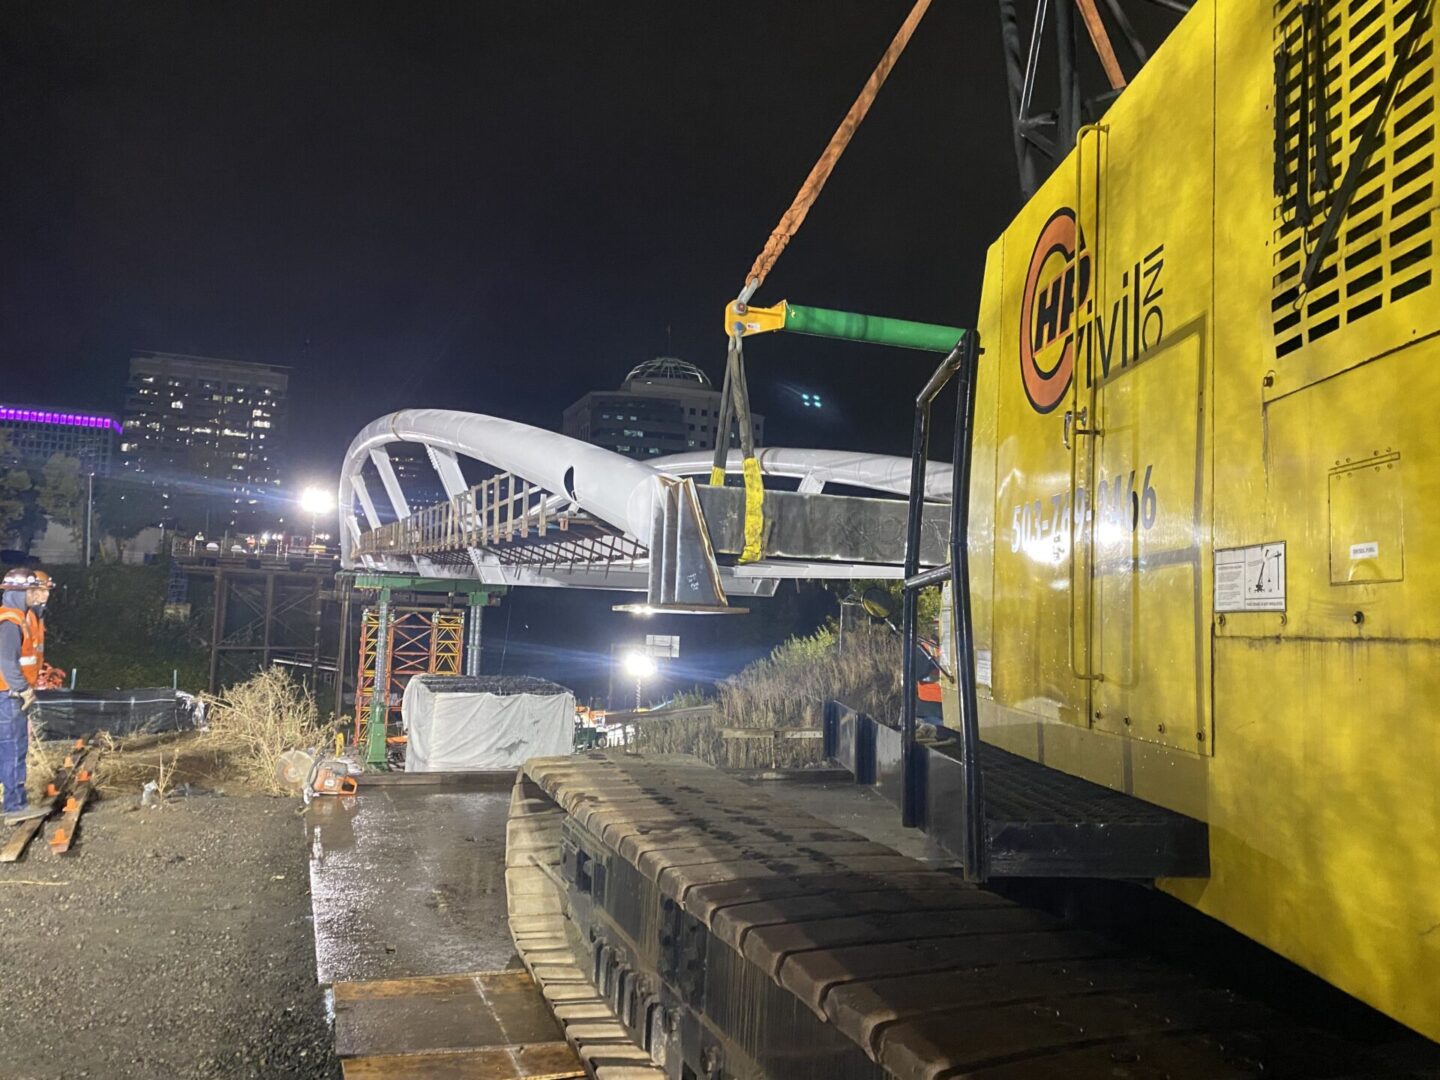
317 500
638 665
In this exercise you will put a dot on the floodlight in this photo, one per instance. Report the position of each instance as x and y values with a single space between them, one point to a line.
639 665
317 500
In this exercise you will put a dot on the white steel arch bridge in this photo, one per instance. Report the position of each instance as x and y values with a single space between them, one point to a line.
555 511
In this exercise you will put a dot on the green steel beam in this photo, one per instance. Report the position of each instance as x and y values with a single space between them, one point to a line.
477 595
378 727
415 583
747 319
876 329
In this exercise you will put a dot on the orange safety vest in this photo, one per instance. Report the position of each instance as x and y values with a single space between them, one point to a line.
32 644
927 686
36 626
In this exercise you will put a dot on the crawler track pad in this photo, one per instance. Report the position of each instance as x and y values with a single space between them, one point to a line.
680 922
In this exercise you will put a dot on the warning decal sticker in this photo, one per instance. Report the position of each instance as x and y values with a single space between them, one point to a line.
1250 578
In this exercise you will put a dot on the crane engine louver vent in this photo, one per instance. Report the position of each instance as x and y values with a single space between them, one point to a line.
1332 58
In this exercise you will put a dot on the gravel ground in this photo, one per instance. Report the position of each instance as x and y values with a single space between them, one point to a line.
178 945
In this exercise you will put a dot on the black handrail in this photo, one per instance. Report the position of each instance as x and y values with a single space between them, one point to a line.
964 361
911 807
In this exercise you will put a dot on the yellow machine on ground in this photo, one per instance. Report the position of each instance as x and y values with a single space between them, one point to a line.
1205 551
1199 535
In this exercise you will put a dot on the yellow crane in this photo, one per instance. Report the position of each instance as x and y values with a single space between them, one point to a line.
1203 542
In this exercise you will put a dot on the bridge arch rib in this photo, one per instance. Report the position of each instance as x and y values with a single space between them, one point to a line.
561 512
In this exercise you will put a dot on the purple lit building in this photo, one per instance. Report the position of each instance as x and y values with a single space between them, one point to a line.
35 432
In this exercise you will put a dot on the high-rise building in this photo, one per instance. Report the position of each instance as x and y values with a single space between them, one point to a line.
417 477
36 432
211 427
664 406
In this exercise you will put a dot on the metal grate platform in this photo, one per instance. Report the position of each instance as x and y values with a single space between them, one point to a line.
1039 822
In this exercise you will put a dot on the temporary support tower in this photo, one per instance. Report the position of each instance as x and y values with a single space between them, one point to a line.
399 640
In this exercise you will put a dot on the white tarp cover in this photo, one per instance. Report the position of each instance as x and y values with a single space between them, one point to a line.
460 724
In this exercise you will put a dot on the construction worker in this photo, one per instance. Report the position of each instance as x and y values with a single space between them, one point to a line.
22 644
47 677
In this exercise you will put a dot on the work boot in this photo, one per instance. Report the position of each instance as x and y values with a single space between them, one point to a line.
15 817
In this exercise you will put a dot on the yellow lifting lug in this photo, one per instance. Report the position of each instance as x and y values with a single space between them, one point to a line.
748 319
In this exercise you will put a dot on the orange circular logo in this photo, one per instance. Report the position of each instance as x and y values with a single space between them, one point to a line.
1057 285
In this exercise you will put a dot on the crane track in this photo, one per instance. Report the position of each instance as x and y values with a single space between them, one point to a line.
684 924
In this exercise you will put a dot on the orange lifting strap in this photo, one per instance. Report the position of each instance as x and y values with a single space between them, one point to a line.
809 191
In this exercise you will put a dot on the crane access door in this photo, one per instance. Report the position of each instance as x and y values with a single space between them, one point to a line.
1102 460
1144 457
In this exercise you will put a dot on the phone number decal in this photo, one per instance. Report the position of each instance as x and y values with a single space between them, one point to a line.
1126 501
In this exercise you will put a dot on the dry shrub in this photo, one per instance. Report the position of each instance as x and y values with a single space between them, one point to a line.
42 761
165 774
249 727
256 721
697 734
171 759
788 689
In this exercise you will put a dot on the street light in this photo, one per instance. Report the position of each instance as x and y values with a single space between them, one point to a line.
89 515
639 666
316 501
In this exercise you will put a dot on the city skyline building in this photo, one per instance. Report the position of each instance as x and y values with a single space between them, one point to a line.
210 427
417 477
663 406
37 432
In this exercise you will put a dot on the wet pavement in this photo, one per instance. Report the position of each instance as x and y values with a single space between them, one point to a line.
409 881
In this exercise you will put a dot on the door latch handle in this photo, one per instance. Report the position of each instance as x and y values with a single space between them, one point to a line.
1074 424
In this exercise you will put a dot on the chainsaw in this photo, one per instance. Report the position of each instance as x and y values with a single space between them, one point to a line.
310 775
331 776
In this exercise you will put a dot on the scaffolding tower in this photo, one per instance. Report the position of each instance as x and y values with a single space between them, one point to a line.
420 641
416 626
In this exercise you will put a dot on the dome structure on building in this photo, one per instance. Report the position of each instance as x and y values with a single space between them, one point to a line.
667 369
664 406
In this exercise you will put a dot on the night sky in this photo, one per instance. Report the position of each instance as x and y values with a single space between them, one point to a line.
483 206
494 208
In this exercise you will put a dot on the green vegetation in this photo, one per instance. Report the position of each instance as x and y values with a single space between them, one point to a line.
124 507
18 513
58 490
109 623
61 493
927 611
15 485
787 689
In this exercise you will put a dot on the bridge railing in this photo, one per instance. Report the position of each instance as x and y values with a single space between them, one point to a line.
497 511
